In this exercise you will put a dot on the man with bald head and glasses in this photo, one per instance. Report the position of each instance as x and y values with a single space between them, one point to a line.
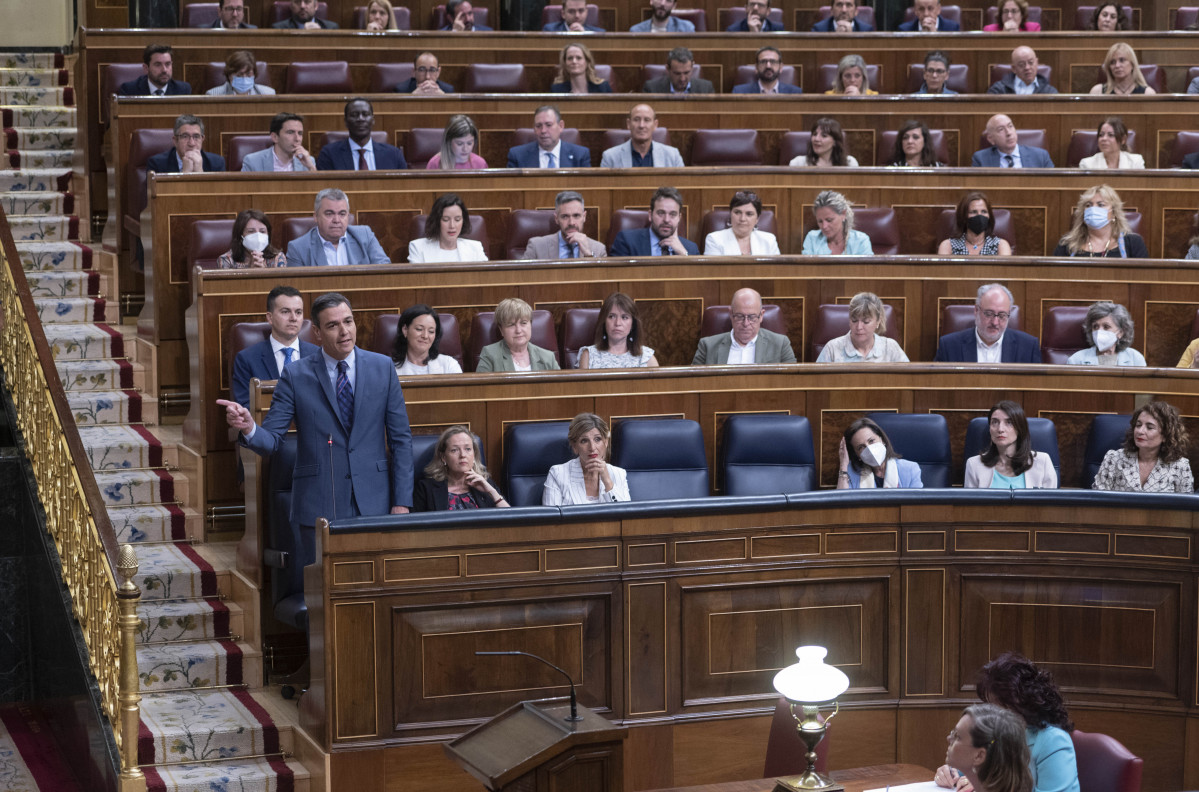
990 340
748 343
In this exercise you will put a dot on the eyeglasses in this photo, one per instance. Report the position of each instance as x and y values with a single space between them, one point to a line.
1001 316
427 69
192 138
740 318
935 72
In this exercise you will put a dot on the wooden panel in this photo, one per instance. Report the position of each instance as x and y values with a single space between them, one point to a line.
354 657
422 568
647 671
924 639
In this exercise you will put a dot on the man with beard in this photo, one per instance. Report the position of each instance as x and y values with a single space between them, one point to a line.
663 20
661 238
569 242
769 67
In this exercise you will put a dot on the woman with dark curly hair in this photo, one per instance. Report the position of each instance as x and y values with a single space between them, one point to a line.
1153 458
1014 683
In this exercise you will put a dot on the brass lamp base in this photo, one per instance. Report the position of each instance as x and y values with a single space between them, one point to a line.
807 782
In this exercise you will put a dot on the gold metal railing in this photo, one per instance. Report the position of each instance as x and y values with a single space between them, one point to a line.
76 517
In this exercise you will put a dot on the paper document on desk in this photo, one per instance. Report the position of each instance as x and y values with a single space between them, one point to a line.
922 786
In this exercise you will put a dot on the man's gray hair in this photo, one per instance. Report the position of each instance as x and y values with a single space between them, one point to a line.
333 194
989 287
186 119
566 196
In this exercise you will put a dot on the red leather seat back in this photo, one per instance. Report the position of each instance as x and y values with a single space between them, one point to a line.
424 143
1105 765
626 220
726 148
241 145
116 74
319 77
200 15
386 76
495 78
792 145
718 319
209 239
577 331
1062 332
881 225
144 144
1184 143
523 225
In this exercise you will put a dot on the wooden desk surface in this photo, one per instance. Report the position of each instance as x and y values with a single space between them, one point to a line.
858 779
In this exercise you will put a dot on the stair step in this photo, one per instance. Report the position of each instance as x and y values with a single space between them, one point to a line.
141 487
207 724
154 523
98 375
80 341
92 408
75 309
67 285
188 620
54 256
117 447
40 158
176 571
44 227
19 204
25 77
34 116
260 775
40 97
44 138
35 180
32 60
197 665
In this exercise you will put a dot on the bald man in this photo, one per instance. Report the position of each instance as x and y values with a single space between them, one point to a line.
747 343
641 151
1023 78
1005 150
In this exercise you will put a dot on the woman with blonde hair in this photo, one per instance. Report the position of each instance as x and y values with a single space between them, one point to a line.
458 147
588 478
1122 73
864 343
455 479
576 72
1100 228
852 77
380 16
835 234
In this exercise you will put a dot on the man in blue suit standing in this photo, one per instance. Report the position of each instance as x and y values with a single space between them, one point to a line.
844 19
574 19
267 359
928 19
354 449
661 238
990 340
549 150
757 19
159 66
1006 151
334 242
359 152
768 79
187 155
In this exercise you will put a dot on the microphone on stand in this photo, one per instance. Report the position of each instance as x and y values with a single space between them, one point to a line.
574 704
332 486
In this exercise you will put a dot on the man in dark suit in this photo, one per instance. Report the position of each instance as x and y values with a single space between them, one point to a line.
267 359
359 152
928 19
768 81
188 155
423 81
1023 78
233 16
990 340
574 19
158 65
462 17
661 238
680 64
303 17
1006 151
844 19
354 449
757 19
548 150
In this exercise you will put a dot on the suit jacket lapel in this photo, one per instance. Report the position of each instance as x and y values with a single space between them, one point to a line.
322 378
268 361
360 385
723 347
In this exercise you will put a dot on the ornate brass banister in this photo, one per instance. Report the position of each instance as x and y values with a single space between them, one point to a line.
76 517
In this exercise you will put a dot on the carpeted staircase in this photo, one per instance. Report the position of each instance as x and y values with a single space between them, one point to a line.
203 724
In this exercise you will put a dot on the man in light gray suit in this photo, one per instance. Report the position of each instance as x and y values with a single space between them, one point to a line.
334 242
641 151
287 152
748 343
570 241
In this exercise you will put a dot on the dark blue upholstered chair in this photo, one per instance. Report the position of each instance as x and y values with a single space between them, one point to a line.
768 455
923 439
1107 432
530 450
664 458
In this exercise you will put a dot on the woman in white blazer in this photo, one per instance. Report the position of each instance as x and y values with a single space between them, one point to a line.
1009 462
742 237
443 241
1112 140
588 478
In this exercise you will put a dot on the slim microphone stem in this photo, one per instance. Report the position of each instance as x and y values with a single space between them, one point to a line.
574 705
332 487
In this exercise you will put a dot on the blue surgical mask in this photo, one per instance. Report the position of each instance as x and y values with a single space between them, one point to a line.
243 84
1096 216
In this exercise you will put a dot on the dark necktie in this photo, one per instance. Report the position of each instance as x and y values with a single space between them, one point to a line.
576 251
1009 161
362 160
160 92
345 395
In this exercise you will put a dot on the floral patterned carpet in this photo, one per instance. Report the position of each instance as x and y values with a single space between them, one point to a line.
202 728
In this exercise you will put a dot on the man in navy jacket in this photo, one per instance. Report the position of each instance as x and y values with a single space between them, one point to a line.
928 19
990 340
359 151
187 155
548 150
267 359
574 19
661 238
757 19
768 79
158 65
844 19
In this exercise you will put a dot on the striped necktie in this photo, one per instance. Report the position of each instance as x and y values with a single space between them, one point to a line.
345 395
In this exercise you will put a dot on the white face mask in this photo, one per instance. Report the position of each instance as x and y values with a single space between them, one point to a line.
1104 339
256 241
874 454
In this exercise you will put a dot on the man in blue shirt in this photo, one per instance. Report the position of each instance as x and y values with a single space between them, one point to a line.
569 242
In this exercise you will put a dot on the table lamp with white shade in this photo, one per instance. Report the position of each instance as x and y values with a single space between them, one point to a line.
808 684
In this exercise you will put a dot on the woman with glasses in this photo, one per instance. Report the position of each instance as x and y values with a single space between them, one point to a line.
742 237
936 74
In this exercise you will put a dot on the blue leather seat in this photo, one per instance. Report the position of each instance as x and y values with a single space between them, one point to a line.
923 439
287 548
1042 431
1107 432
530 450
767 454
664 458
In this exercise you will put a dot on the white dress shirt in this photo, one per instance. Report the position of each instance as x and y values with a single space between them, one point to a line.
278 346
988 354
336 255
543 156
742 355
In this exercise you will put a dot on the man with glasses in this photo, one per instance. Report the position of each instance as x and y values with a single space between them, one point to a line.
424 82
188 155
936 74
232 16
748 343
844 19
661 237
768 78
757 19
990 340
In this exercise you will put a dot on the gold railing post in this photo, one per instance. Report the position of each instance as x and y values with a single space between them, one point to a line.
128 595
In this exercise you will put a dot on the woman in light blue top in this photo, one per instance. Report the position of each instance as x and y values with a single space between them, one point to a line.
1109 331
1014 682
835 235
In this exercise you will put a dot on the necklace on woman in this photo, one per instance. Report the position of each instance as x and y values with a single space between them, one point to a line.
1106 245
